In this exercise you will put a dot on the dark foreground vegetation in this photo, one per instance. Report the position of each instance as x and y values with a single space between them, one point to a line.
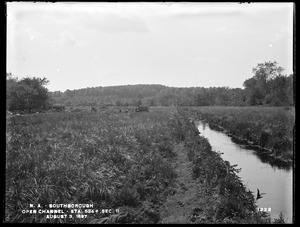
270 128
119 161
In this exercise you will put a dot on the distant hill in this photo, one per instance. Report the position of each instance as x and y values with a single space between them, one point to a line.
261 89
150 94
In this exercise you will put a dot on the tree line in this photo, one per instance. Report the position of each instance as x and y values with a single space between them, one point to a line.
268 87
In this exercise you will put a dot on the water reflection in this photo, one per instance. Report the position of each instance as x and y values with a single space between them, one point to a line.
259 170
262 154
204 126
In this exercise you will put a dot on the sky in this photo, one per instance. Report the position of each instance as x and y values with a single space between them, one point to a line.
79 45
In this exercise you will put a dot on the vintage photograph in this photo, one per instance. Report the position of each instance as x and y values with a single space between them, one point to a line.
150 113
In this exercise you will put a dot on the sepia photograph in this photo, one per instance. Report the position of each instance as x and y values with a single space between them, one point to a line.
150 113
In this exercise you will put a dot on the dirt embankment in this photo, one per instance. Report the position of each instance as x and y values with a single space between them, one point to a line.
178 208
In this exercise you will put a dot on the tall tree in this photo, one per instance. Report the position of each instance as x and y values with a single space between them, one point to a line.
267 86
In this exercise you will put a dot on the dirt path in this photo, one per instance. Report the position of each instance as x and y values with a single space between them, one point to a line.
179 207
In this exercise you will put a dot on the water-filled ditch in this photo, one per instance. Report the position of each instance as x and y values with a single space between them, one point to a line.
258 171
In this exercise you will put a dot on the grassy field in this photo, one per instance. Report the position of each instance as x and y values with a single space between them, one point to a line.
271 128
120 161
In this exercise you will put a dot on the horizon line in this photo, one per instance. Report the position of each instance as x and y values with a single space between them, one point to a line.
124 85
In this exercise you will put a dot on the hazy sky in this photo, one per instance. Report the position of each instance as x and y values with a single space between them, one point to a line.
79 45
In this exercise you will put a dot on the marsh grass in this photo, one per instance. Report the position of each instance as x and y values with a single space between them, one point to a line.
110 160
115 160
271 128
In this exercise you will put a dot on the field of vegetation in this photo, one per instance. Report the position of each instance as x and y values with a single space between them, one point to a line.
119 161
270 128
